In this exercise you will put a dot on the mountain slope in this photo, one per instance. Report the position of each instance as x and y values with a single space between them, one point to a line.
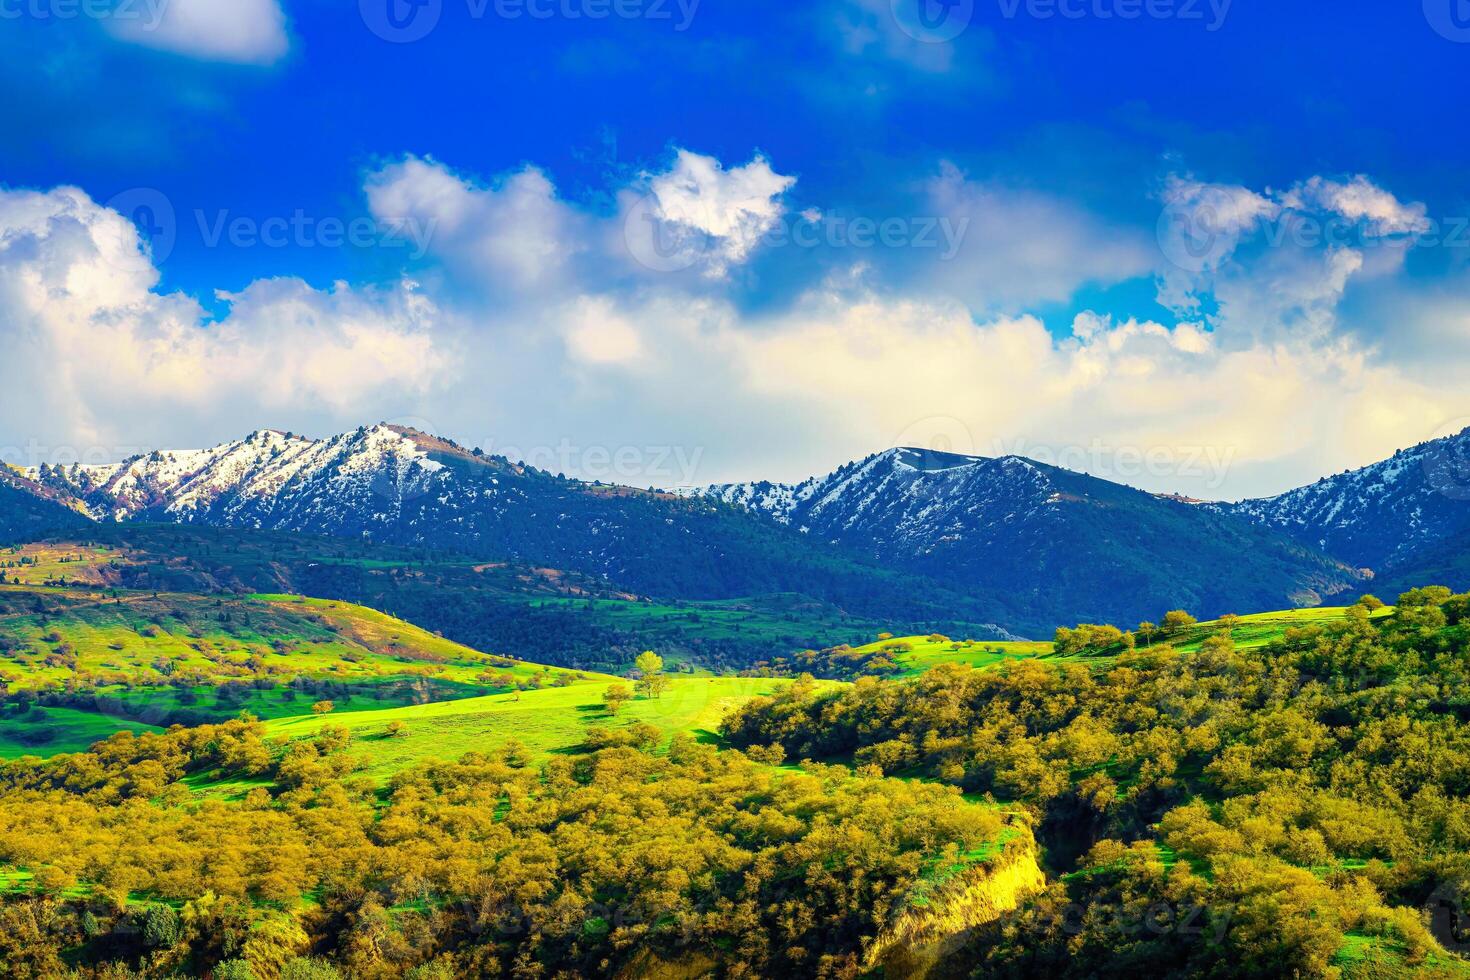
1065 546
28 509
1381 517
389 485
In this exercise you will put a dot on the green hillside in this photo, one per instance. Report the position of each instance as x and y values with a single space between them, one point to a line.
544 615
55 638
80 662
545 722
1282 792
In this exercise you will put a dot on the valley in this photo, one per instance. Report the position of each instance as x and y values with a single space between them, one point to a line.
442 756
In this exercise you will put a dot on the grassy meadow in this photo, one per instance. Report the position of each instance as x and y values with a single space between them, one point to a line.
545 722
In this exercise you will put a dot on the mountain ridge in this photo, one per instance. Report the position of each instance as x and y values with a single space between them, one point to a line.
1382 516
1028 543
965 520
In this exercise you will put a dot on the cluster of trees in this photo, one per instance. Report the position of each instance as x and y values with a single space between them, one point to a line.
1094 638
613 859
841 662
1287 797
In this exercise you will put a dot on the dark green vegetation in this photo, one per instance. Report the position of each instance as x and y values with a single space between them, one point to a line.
1276 810
350 794
923 540
545 615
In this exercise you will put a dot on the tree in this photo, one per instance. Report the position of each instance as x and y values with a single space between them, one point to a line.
1148 631
1176 620
615 697
323 708
652 682
1371 603
397 729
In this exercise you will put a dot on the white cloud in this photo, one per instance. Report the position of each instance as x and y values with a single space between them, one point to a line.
1266 380
241 31
1201 227
514 233
698 213
847 371
1359 200
1013 248
597 334
93 353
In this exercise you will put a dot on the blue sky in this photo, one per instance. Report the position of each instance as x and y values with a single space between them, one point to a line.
1034 164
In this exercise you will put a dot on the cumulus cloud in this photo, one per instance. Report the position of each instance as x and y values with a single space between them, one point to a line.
240 31
92 350
1202 226
847 371
699 213
597 334
1013 247
1273 261
513 232
1255 387
1359 200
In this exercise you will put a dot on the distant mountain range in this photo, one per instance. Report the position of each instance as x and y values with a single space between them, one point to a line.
1058 543
394 485
910 534
1385 517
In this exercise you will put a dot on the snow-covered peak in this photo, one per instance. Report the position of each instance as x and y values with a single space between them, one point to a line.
1378 516
179 483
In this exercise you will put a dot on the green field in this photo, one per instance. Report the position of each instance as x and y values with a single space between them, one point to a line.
925 654
539 614
53 731
546 722
1259 629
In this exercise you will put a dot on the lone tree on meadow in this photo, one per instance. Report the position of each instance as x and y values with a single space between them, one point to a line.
652 682
615 697
323 708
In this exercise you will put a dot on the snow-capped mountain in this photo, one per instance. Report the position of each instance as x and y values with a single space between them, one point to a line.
1380 517
399 486
1015 542
1034 532
269 479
